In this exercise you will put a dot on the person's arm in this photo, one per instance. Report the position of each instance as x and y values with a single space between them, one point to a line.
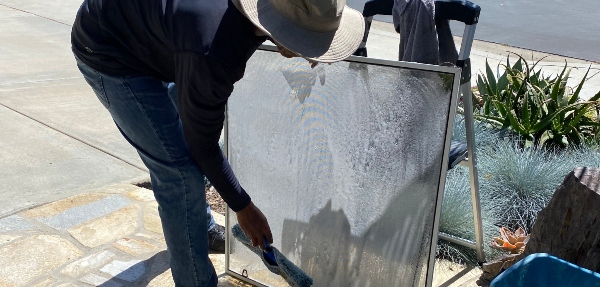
204 85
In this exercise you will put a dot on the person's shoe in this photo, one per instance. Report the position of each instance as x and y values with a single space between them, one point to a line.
216 239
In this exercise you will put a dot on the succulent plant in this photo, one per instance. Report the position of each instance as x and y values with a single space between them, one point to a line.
543 110
511 241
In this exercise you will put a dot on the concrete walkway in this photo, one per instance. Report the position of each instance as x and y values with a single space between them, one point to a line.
56 139
70 214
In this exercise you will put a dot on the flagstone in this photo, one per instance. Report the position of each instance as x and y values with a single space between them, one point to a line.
125 270
15 223
6 238
118 224
57 207
98 280
27 259
164 279
141 194
122 188
218 261
154 237
83 213
88 263
158 265
135 247
219 218
445 271
68 284
48 282
6 284
229 281
151 218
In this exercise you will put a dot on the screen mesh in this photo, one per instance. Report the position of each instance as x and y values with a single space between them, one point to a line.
345 162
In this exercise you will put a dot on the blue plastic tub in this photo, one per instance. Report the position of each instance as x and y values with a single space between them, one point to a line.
544 270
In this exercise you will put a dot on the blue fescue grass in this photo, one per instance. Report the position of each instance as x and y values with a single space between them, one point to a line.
588 156
515 184
457 216
457 220
485 135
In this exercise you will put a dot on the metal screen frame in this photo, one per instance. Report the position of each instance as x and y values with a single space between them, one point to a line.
455 93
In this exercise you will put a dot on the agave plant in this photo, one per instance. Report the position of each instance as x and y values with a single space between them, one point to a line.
543 110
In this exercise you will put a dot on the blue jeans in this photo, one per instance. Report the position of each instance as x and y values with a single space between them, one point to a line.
145 111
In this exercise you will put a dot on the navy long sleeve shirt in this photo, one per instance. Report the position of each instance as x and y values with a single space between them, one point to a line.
201 45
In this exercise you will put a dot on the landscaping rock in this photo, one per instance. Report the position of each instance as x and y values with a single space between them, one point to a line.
491 269
569 226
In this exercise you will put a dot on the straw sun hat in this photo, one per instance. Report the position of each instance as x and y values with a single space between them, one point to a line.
320 30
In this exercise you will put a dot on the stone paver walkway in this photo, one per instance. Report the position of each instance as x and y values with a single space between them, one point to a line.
110 238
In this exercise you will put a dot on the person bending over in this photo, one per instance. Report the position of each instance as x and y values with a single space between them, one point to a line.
164 70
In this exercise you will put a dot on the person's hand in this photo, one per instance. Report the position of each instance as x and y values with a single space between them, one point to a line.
254 224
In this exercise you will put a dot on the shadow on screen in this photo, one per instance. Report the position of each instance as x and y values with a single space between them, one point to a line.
393 251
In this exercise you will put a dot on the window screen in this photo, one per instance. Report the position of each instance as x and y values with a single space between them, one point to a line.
345 161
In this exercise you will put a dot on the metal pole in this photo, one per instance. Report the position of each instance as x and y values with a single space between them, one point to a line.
465 50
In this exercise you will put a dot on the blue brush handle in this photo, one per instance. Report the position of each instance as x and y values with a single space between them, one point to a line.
268 253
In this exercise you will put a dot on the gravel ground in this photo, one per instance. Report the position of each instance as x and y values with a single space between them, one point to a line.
215 201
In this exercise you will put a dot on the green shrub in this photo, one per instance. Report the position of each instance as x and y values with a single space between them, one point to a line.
543 110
